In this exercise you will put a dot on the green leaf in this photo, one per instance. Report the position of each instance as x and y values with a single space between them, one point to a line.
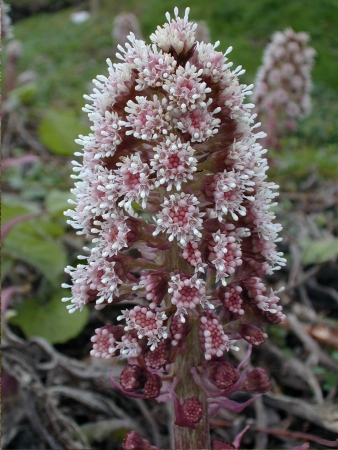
11 207
59 129
42 253
32 241
57 201
6 265
51 320
320 251
25 93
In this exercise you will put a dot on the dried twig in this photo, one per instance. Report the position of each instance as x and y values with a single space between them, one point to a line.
310 344
153 425
290 371
297 435
325 415
302 280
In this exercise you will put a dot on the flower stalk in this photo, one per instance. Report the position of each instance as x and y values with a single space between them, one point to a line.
186 437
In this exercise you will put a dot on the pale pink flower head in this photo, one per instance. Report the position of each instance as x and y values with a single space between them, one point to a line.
172 194
6 22
177 36
283 83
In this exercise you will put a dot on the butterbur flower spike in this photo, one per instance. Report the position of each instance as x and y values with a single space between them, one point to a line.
283 84
6 22
172 193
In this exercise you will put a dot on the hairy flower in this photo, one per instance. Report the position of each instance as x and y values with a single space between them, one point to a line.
180 218
146 118
147 323
132 180
173 163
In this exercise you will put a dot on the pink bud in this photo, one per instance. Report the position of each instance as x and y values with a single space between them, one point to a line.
193 410
222 374
133 378
104 341
178 330
257 382
253 335
152 386
158 358
133 441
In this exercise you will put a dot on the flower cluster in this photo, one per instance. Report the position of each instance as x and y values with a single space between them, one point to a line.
172 193
6 22
283 83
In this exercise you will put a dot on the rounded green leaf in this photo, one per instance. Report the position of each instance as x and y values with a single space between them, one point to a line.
34 241
51 320
59 129
316 252
57 201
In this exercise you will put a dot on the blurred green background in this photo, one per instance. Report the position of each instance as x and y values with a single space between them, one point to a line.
67 56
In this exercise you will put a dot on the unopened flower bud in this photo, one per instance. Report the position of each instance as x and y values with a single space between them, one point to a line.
155 286
231 298
193 410
253 335
159 357
179 329
257 381
213 339
133 378
104 341
222 374
152 386
133 441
